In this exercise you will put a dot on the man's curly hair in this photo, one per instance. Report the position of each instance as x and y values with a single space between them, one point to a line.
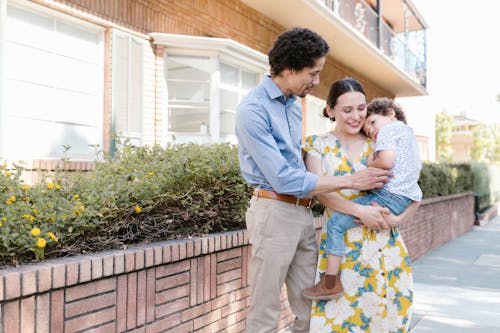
296 49
382 105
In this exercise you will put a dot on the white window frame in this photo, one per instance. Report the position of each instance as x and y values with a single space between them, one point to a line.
217 50
41 10
113 113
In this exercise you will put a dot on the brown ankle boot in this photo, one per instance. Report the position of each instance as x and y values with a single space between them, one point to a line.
329 287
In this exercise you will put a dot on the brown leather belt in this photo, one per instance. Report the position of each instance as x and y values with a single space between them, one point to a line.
260 193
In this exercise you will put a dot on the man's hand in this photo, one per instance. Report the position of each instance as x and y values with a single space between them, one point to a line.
369 178
373 217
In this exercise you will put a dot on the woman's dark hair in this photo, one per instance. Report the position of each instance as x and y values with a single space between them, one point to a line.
340 87
382 105
296 49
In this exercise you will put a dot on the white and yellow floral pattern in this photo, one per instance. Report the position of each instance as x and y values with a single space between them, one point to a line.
375 271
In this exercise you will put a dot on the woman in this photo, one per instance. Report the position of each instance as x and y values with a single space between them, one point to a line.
375 271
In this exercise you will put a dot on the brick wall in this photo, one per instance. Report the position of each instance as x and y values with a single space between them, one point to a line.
195 285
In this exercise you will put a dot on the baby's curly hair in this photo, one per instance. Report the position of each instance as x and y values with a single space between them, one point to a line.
382 105
296 49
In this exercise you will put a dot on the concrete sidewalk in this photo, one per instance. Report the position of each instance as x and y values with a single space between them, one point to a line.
457 286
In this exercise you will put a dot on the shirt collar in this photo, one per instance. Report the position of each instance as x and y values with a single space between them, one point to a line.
274 91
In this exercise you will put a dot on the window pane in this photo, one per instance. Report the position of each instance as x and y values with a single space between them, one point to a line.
249 80
193 120
229 74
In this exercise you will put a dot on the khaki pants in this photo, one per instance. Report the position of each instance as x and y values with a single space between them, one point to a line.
284 250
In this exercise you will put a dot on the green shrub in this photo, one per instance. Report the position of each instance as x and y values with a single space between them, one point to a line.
481 185
440 179
140 195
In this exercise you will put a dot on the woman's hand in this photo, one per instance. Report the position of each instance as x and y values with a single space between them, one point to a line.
396 220
373 217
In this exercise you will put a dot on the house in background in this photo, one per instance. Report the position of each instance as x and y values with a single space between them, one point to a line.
90 74
462 138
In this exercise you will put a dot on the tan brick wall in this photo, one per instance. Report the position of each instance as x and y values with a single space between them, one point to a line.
195 285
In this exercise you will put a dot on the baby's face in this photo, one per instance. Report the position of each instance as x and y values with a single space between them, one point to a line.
374 123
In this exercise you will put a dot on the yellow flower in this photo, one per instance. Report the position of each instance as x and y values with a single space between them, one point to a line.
1 224
4 219
40 242
50 186
35 232
29 217
35 211
25 187
12 198
26 198
52 236
58 187
138 209
76 196
7 173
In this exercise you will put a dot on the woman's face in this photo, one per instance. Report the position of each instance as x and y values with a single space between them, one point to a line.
349 112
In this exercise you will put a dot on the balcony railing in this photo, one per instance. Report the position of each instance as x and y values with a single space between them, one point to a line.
406 48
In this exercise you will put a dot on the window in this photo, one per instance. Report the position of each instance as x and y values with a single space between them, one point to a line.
206 79
315 122
53 85
127 99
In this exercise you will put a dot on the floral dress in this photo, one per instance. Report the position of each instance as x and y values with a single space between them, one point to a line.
375 271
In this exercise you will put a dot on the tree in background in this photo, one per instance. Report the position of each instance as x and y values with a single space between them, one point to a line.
444 123
482 143
495 156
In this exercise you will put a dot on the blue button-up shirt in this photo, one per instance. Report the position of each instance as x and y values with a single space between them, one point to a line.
269 132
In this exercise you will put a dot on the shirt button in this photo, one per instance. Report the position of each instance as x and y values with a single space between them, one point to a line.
383 274
379 250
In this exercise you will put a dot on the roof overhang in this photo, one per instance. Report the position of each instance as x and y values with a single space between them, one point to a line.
225 46
347 45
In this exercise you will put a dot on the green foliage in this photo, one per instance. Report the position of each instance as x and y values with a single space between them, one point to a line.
443 129
140 195
481 184
439 179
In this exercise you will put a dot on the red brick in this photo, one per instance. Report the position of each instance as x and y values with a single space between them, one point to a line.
172 281
12 285
57 311
174 248
139 259
28 314
233 307
43 313
217 243
150 295
183 328
111 327
194 281
223 241
11 316
172 269
197 247
213 276
149 257
129 261
85 305
189 249
227 265
244 265
58 276
196 311
228 276
200 280
182 250
89 289
204 245
166 254
119 261
222 300
107 265
72 273
229 254
1 288
44 279
141 297
211 244
165 323
172 294
121 303
207 319
206 278
132 301
228 287
87 321
171 307
85 270
28 283
97 267
158 255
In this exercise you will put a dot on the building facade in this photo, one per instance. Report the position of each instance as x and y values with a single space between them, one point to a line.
80 77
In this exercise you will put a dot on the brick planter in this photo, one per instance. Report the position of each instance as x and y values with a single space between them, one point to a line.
194 285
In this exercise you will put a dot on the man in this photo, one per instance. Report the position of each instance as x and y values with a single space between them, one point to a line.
279 222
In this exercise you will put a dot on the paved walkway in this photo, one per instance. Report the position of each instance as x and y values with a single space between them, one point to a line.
457 286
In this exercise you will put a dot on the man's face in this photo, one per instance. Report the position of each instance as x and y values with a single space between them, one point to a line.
303 81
